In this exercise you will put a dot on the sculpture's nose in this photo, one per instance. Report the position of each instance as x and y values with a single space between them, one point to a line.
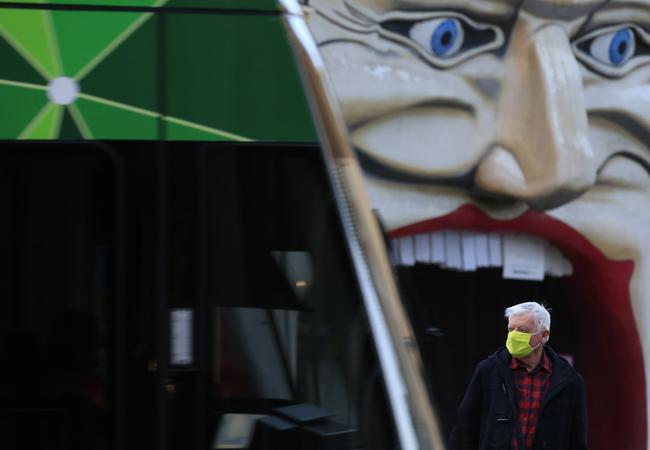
542 153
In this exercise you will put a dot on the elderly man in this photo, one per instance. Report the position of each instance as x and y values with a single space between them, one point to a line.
524 396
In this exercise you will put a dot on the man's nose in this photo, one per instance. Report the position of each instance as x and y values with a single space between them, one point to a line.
542 153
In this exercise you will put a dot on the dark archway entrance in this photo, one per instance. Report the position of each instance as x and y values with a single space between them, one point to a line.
459 320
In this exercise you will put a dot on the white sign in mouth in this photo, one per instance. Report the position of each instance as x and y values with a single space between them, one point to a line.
521 256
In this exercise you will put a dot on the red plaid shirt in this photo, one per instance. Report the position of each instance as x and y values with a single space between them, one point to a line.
530 388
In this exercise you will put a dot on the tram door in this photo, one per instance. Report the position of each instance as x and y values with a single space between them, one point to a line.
179 295
266 341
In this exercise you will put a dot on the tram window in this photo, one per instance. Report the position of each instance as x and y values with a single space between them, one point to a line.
239 242
55 246
286 322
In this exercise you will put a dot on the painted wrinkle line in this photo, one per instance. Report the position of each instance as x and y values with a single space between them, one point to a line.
25 54
115 43
22 84
53 41
35 121
175 120
80 121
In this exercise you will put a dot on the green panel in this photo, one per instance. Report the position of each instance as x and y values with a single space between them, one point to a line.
31 33
109 122
257 5
86 38
218 84
69 129
236 74
15 67
133 3
260 5
128 75
45 125
18 107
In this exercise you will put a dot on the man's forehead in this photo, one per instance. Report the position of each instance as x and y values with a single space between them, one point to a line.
523 318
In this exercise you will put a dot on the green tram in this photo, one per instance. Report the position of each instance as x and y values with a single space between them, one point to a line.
176 268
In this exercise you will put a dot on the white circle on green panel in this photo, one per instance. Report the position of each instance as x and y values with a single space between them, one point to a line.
62 90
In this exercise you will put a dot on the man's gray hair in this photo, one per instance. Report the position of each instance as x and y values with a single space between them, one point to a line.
540 314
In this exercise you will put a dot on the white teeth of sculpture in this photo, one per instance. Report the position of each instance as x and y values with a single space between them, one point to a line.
521 256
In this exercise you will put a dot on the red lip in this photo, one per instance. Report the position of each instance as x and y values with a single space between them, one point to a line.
609 352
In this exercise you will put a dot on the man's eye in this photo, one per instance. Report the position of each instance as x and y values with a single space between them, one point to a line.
614 51
614 48
442 37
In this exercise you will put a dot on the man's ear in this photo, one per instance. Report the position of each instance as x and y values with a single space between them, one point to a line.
546 336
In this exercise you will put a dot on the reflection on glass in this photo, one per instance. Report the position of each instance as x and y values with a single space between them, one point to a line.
291 331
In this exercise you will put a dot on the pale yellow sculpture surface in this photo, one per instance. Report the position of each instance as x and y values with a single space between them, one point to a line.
525 105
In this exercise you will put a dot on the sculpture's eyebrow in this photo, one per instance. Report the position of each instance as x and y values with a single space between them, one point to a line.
631 6
562 9
619 11
481 7
628 3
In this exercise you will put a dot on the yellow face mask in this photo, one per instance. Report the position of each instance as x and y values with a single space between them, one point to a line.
518 343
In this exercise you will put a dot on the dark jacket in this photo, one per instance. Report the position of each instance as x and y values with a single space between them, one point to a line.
488 414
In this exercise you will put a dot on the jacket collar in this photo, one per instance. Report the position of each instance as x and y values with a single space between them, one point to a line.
562 370
544 363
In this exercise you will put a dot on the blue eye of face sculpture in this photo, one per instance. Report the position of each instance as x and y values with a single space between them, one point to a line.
614 48
621 46
441 37
446 38
443 40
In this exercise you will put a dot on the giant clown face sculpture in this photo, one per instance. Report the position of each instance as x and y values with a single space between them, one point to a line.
529 117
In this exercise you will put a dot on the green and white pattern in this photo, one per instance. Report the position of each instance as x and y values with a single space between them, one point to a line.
74 74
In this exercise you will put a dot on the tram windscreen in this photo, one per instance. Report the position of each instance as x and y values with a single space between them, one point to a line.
172 294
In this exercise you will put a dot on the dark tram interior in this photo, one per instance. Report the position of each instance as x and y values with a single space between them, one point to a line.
178 295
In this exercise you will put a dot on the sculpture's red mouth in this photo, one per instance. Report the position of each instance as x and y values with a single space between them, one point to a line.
608 348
